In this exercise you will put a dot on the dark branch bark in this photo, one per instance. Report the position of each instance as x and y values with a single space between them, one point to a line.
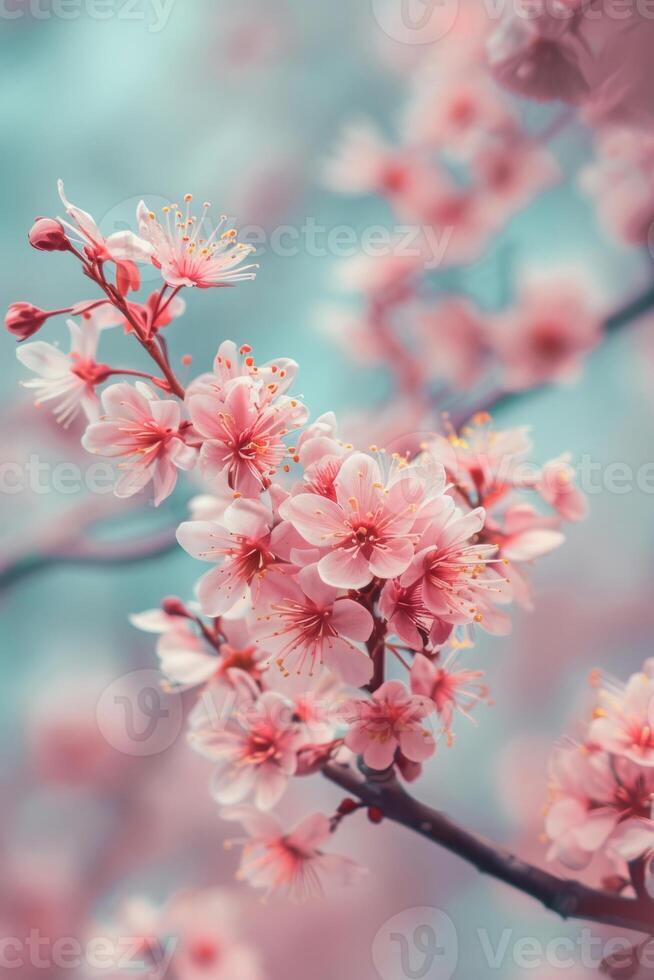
567 898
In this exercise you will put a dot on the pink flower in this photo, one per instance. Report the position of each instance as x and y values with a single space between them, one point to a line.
534 64
292 863
624 720
621 182
367 529
184 656
512 170
525 534
242 543
67 380
255 751
364 163
120 247
243 431
390 720
546 335
455 112
307 624
147 432
592 796
204 925
556 486
454 338
452 568
409 618
451 690
186 257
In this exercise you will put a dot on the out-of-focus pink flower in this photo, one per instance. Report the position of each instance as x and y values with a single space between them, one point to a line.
364 163
621 182
304 623
525 534
290 862
556 486
453 110
512 170
66 380
624 719
367 528
255 751
592 796
184 656
453 335
241 542
186 257
204 925
527 59
391 719
450 689
546 334
120 247
148 432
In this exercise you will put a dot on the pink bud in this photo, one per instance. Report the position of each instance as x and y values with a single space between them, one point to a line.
24 319
173 606
48 235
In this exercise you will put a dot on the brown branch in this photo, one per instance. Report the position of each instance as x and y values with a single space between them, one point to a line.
567 898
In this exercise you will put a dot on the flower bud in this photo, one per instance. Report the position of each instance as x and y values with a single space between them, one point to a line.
173 606
48 235
23 320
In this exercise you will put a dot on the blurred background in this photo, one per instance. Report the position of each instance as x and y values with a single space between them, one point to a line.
242 104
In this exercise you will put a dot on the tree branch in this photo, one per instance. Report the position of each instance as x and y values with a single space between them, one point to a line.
567 898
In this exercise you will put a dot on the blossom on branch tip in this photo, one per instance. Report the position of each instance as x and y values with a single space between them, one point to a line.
121 246
186 255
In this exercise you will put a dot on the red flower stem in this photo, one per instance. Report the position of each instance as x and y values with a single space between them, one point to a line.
567 898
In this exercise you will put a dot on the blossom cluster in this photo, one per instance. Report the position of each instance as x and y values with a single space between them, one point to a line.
461 167
344 584
602 786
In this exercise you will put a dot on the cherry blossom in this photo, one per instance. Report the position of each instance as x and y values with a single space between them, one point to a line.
255 751
367 529
452 690
241 543
390 720
148 432
290 862
67 380
120 247
624 718
189 256
594 801
545 336
307 625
